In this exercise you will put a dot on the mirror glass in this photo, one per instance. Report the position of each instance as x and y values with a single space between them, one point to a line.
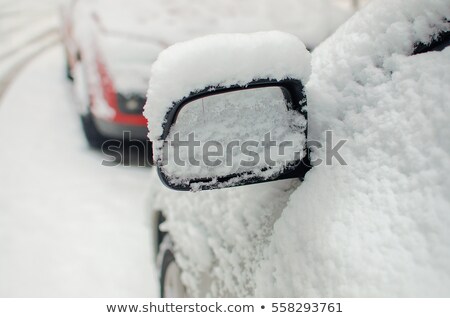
249 132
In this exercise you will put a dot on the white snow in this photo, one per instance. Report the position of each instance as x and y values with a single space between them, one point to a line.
377 227
69 227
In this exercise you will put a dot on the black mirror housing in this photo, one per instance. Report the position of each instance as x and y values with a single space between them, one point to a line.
293 92
223 89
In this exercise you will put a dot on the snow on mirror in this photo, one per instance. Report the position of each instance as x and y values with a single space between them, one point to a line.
243 133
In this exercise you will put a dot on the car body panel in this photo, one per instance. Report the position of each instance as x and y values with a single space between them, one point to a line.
375 227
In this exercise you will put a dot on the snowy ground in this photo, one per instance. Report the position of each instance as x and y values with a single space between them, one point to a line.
68 225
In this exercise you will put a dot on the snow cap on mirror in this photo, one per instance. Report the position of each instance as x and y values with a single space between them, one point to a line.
221 59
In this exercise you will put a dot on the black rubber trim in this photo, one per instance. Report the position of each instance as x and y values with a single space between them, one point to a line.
438 44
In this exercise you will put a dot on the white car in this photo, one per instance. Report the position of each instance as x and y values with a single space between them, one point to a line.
364 207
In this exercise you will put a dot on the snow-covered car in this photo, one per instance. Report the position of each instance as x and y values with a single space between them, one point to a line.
108 58
370 220
111 44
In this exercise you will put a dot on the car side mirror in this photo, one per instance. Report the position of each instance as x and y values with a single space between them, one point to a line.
230 135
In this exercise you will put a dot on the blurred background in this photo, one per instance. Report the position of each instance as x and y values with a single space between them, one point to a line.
74 220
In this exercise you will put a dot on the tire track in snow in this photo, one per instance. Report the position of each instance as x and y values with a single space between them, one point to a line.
21 43
9 77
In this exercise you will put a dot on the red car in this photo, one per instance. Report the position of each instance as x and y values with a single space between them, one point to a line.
109 64
111 45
